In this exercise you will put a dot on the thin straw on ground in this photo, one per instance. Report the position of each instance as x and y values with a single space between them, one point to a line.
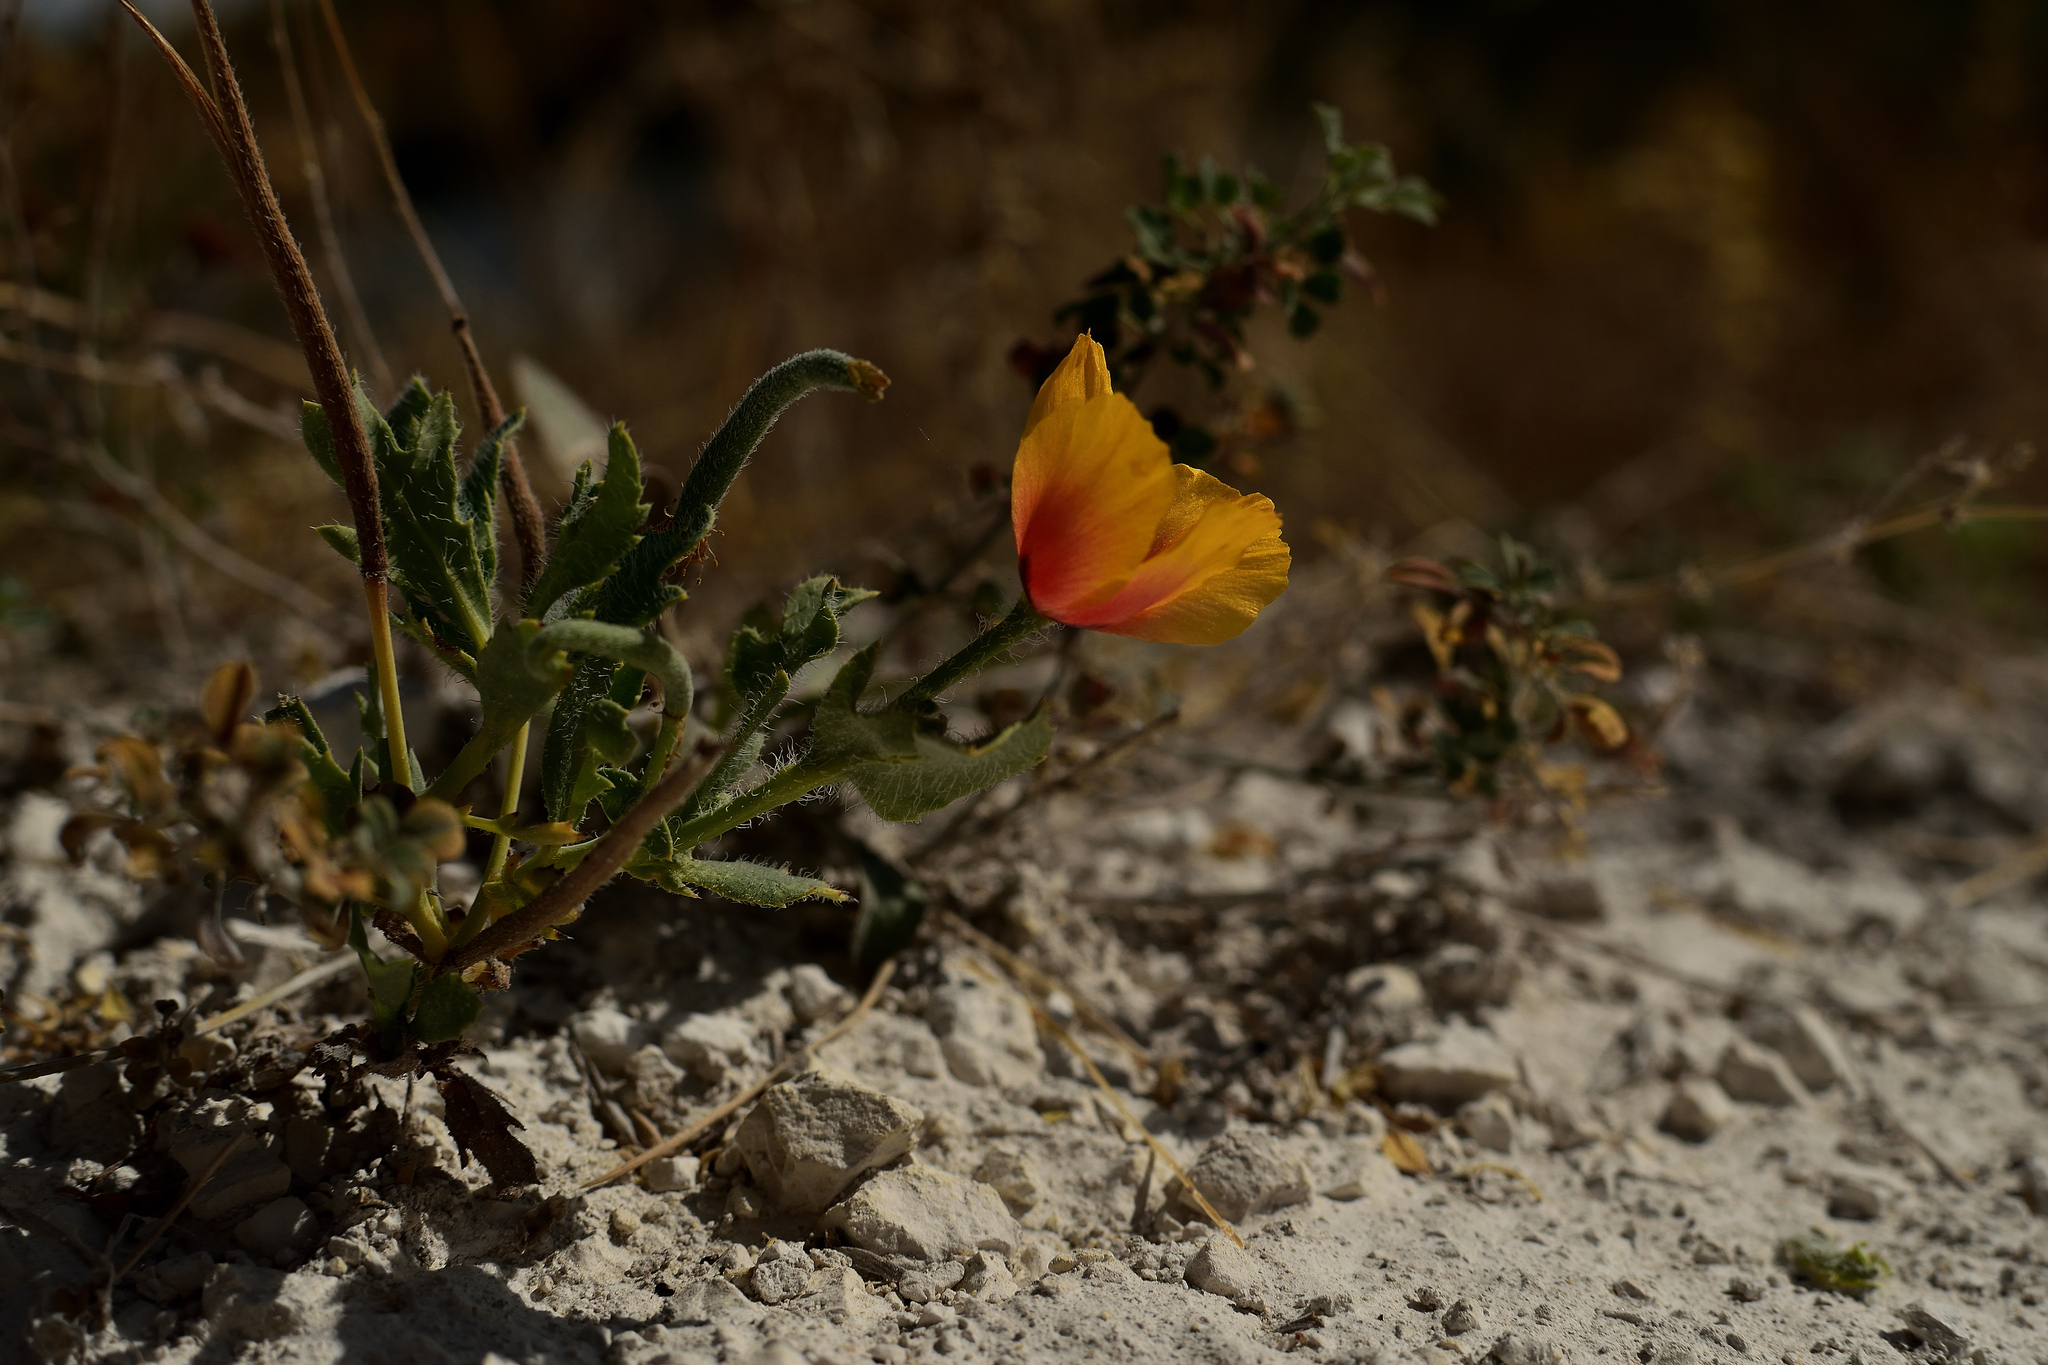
788 1067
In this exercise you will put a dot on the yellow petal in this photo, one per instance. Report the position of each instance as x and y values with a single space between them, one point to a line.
1091 485
1083 375
1217 561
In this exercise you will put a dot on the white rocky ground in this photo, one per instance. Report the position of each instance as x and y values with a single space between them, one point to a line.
1746 1013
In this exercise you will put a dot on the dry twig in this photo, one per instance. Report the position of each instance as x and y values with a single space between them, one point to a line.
161 374
560 901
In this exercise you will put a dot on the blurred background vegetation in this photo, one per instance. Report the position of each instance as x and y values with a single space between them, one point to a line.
1709 275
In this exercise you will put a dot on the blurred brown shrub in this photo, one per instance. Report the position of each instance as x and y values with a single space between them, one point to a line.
1697 258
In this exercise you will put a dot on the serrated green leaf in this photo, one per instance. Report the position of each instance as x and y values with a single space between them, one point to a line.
624 791
743 753
413 403
390 982
646 650
807 631
479 491
610 737
437 527
565 753
903 765
343 541
319 438
635 594
572 760
448 1006
596 531
748 883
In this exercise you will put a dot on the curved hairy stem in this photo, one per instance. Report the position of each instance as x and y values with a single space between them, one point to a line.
725 454
791 784
984 649
227 122
560 901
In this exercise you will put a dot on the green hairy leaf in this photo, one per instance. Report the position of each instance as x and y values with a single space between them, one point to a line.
568 772
646 650
448 1006
597 529
841 732
748 883
944 771
319 439
763 656
343 541
514 687
527 664
437 535
338 791
441 525
636 594
808 631
390 982
905 766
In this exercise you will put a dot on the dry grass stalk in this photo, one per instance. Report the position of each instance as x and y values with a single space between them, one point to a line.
1041 984
323 209
191 1192
1053 1026
788 1067
528 526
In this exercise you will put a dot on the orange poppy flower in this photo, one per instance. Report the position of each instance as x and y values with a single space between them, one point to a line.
1112 535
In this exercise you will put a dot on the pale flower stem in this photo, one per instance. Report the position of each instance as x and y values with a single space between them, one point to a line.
378 594
515 776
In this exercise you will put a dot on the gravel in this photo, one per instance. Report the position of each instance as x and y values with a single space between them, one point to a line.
1594 1097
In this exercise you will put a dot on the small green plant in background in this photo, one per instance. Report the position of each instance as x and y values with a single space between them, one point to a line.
1515 673
1826 1264
1217 247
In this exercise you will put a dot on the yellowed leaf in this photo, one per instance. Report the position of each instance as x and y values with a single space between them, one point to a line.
1405 1152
